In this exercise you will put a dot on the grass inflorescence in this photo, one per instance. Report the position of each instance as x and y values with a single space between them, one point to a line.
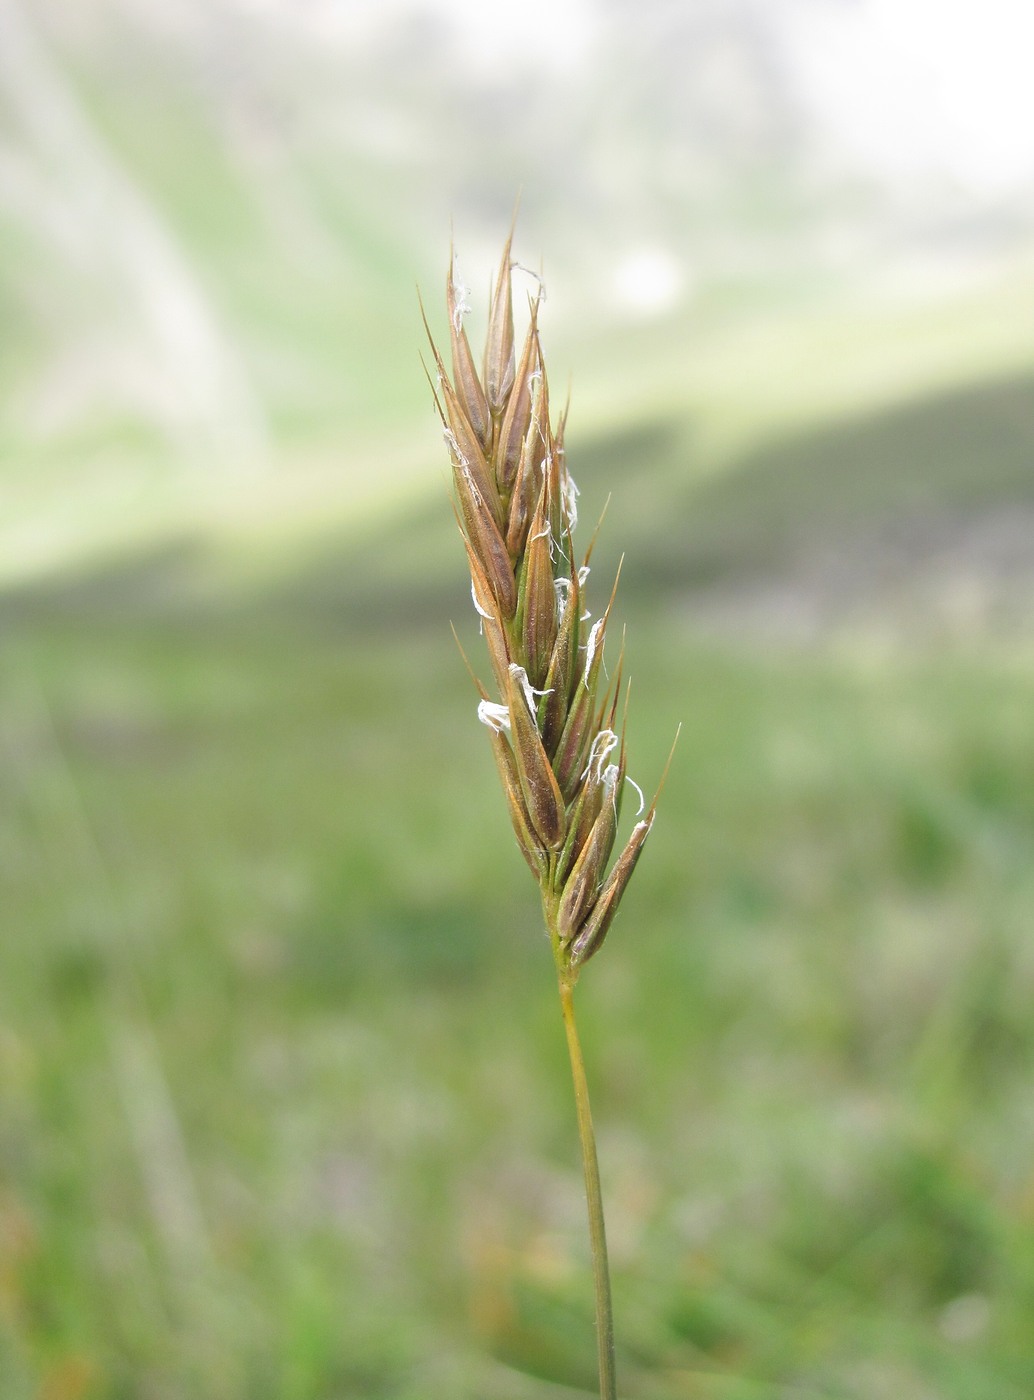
556 735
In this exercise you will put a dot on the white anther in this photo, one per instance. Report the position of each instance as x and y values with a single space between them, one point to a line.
590 647
541 296
472 485
477 605
569 491
642 799
520 675
454 447
604 744
460 293
583 574
497 717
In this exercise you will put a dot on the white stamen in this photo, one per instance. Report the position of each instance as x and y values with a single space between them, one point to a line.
472 485
477 605
461 293
590 648
570 493
583 574
454 447
604 744
497 717
563 594
642 799
520 675
541 296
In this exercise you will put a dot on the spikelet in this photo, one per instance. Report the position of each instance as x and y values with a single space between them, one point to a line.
561 762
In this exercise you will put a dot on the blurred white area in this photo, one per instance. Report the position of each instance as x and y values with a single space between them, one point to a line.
920 87
905 85
649 281
725 133
213 212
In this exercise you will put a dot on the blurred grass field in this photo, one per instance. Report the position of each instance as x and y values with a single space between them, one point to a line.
286 1112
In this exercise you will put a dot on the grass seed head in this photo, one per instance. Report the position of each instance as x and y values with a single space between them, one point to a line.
561 762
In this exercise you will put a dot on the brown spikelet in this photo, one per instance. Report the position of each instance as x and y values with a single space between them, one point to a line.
517 416
586 877
581 813
483 537
560 676
590 936
492 628
520 818
538 597
499 366
582 723
467 453
538 783
465 376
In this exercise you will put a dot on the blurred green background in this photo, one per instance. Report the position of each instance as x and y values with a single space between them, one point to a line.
284 1104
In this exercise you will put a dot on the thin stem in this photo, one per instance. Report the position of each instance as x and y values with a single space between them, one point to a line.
594 1198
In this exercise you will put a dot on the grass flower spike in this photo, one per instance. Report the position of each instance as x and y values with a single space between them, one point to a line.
553 719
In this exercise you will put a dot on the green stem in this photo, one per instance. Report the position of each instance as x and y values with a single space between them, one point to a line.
594 1198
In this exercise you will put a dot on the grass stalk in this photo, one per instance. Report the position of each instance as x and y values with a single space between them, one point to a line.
593 1197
